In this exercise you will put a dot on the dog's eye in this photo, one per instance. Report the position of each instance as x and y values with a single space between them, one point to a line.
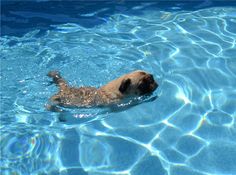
144 86
151 79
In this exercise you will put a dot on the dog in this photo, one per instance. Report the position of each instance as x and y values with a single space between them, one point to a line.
133 84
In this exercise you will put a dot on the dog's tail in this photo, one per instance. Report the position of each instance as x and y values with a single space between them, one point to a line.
57 79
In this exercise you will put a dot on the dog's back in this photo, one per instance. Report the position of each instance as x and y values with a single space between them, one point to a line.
76 97
71 96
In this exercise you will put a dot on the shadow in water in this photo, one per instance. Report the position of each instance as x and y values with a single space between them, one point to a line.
84 115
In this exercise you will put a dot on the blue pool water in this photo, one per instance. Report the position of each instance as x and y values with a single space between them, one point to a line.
190 129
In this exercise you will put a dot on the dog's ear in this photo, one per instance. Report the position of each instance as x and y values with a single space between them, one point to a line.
124 85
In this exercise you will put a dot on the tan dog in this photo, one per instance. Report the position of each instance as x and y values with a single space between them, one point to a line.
133 84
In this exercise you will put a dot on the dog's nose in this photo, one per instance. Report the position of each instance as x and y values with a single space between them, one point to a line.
155 85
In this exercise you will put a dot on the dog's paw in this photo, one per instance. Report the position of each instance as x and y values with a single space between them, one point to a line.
53 108
54 74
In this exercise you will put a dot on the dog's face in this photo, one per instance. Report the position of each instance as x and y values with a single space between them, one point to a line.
137 83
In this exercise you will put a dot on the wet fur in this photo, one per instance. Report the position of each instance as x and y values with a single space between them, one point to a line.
133 84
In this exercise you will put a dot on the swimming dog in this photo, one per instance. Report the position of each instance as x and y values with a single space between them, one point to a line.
136 83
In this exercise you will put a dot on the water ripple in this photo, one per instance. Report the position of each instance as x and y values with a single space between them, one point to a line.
188 129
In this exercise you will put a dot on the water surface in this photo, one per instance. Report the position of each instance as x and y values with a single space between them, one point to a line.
189 129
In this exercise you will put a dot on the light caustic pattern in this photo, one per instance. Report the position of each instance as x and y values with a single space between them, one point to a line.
189 129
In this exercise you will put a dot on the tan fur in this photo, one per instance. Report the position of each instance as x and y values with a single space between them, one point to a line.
113 92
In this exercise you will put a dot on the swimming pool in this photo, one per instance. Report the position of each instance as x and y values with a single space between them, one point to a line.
189 47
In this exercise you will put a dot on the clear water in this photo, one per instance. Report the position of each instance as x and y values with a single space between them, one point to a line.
188 130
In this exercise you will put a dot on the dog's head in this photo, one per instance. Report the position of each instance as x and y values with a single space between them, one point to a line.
137 83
